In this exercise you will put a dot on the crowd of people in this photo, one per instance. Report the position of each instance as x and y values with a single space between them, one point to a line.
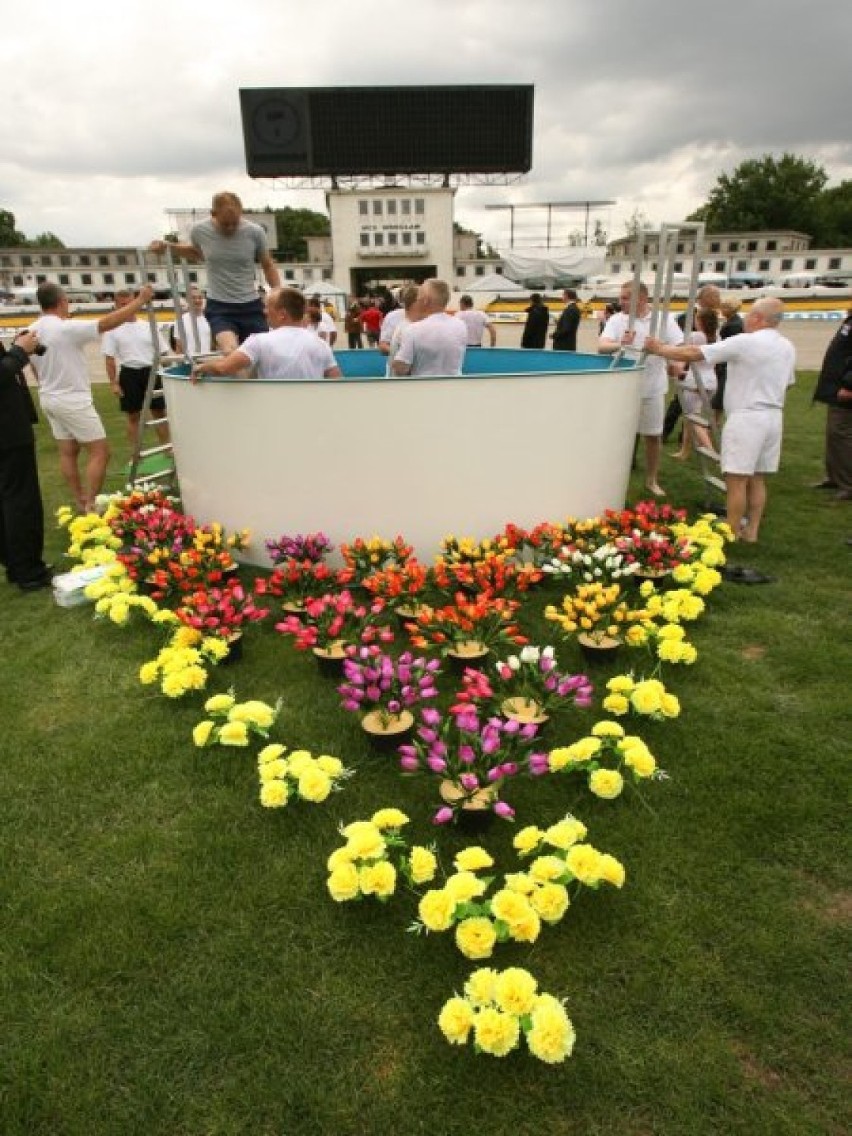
745 365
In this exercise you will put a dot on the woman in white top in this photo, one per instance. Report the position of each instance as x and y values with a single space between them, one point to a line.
691 400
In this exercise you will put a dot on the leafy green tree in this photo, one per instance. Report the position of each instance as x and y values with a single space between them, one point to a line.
10 237
834 217
765 193
46 240
293 225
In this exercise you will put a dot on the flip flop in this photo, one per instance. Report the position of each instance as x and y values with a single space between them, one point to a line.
737 574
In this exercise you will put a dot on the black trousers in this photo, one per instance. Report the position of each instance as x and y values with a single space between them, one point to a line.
21 515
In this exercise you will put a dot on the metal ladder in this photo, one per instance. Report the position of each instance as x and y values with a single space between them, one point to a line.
167 476
669 235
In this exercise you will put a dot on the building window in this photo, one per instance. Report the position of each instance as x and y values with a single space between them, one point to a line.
733 246
26 261
86 278
65 260
742 265
393 238
47 261
40 278
678 266
129 278
764 265
377 206
479 270
787 265
6 260
834 263
326 274
193 278
419 206
810 263
64 279
719 266
378 239
498 269
103 260
307 274
680 250
771 246
19 281
121 258
460 270
152 277
365 240
420 238
715 246
406 207
406 238
85 258
751 246
616 268
109 278
363 208
289 274
391 209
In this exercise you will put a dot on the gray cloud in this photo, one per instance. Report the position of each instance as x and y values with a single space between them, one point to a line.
121 113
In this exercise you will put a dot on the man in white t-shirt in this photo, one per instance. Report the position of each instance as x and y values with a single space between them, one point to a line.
65 392
326 328
402 317
476 323
761 366
614 337
128 357
191 322
288 351
436 343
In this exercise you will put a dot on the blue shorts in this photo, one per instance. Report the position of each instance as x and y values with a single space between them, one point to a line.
242 319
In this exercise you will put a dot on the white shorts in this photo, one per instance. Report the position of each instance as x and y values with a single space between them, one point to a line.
751 442
74 423
652 413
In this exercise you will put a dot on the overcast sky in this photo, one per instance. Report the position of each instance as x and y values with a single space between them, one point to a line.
115 112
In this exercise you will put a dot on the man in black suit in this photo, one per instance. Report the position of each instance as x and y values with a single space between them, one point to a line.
538 321
565 332
21 509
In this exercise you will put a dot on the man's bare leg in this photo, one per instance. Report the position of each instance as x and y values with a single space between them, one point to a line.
69 451
653 445
160 428
737 499
227 341
133 428
755 504
96 466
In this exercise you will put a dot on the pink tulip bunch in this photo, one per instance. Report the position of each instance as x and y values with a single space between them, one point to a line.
376 680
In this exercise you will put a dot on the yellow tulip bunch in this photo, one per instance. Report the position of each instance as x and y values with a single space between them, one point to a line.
596 609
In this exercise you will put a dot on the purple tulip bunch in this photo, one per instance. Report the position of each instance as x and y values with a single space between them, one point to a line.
533 673
314 548
474 753
377 681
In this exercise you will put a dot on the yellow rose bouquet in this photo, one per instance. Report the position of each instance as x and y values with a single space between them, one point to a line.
499 1007
484 912
604 757
646 697
285 777
364 865
231 723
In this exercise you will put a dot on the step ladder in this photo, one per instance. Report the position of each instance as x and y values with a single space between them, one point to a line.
669 235
154 466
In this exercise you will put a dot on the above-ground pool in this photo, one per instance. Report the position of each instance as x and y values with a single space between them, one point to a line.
522 436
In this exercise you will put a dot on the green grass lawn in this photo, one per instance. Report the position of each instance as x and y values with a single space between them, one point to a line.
171 962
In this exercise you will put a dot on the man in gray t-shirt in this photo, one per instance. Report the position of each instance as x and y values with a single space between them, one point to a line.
231 247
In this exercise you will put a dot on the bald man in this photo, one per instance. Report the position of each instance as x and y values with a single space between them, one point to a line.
436 343
761 366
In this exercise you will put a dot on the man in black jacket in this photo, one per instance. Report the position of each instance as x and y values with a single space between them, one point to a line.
21 510
538 319
565 332
834 388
